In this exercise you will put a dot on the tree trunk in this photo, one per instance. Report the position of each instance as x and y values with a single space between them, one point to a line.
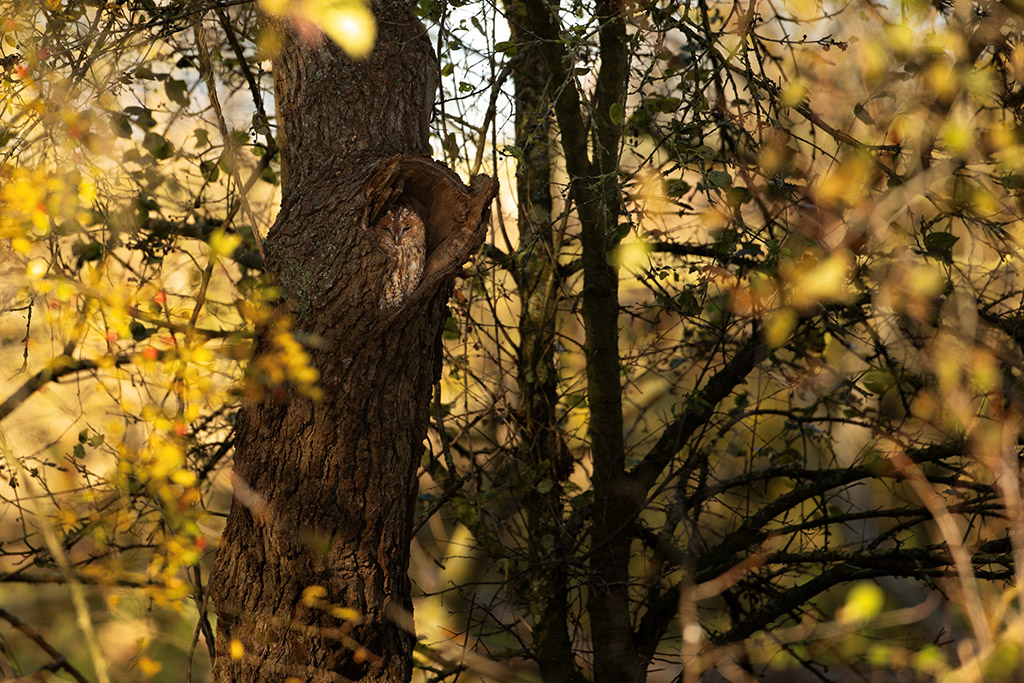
592 164
541 447
311 576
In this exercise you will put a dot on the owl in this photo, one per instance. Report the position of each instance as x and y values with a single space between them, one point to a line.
404 237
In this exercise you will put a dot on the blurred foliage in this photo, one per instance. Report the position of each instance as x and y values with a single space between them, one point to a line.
821 334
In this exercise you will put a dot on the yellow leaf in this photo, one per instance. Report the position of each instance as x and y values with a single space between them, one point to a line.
650 191
823 281
169 457
924 281
957 136
984 371
941 78
1017 62
794 94
902 38
274 8
632 255
36 268
863 603
87 191
346 613
804 10
982 86
183 477
349 23
224 244
778 325
313 594
268 44
149 667
874 61
236 649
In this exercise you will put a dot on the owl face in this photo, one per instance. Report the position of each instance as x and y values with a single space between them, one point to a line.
401 228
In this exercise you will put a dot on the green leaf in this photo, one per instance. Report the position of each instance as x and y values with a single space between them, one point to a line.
202 137
143 117
87 251
260 124
617 114
688 302
145 72
175 90
451 328
861 113
878 381
677 188
618 234
720 179
120 125
940 241
582 501
1012 181
139 331
157 145
78 450
451 145
665 105
209 170
736 196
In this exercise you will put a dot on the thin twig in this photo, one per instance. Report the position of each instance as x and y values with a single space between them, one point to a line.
59 660
211 85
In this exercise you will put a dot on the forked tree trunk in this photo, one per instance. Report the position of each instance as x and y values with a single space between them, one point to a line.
324 491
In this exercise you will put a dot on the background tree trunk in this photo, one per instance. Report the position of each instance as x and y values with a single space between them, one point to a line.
324 490
541 447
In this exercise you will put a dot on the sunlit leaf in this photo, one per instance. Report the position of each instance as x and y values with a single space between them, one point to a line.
632 254
821 280
794 94
37 268
275 8
349 23
864 602
778 326
224 244
149 667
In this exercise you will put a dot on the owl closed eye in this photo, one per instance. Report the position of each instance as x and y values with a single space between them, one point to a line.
403 237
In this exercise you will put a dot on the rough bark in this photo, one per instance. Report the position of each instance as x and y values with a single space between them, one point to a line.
324 490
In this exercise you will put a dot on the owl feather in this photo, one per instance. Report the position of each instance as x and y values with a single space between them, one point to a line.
403 237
